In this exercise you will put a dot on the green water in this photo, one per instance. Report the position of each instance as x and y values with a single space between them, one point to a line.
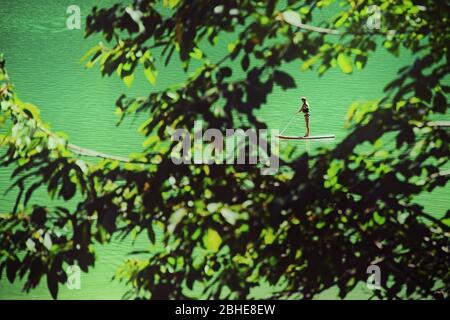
43 60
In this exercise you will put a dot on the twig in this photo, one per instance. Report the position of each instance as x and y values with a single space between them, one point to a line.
439 124
93 153
317 29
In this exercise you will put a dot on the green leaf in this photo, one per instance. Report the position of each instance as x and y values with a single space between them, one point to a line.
136 15
283 79
213 207
292 17
196 54
308 63
52 283
68 189
344 63
229 216
171 3
440 103
33 111
304 10
151 74
30 245
175 219
245 62
12 266
379 219
90 52
212 240
446 222
82 165
264 20
269 236
341 20
128 80
232 46
47 241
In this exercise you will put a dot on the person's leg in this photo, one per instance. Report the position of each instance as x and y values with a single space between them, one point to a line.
307 126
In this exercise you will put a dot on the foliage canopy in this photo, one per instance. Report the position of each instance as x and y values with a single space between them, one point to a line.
319 223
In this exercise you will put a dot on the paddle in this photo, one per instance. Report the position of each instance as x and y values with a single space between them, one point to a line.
289 122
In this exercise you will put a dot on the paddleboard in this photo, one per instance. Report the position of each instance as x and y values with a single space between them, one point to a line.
329 136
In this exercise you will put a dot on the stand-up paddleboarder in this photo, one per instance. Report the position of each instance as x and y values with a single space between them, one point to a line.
305 109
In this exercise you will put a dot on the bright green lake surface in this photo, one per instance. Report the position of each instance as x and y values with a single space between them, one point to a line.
43 60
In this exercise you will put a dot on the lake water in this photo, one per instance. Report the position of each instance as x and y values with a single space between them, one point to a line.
43 60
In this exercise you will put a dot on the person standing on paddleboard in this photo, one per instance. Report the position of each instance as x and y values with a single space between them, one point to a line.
305 109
